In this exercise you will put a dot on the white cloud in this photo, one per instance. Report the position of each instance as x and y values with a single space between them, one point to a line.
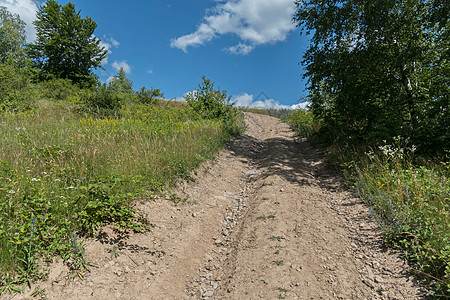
203 34
240 49
246 100
26 9
121 64
114 42
255 22
107 43
150 71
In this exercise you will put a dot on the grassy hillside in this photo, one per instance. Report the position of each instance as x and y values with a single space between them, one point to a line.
73 160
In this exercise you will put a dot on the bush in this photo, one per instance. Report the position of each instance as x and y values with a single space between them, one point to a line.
59 89
102 101
14 87
210 103
303 122
149 96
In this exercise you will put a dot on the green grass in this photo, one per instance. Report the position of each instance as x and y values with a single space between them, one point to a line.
65 174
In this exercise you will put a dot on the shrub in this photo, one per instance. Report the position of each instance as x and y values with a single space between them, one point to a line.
13 85
303 122
149 96
59 89
211 103
102 101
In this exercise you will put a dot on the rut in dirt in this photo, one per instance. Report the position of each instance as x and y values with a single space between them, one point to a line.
302 236
268 219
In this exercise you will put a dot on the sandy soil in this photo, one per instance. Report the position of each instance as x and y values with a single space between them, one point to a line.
267 220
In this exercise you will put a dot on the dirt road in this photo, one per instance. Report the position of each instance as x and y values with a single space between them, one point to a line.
267 220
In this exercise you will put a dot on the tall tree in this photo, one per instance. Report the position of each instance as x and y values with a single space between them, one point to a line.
120 83
12 38
378 68
66 46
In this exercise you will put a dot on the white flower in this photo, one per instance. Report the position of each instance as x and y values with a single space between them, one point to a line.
12 192
35 179
70 187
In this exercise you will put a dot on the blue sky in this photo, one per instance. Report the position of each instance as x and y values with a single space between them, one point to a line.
250 48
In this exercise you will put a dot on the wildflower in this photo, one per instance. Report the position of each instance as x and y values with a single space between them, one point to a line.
11 192
33 222
35 179
70 187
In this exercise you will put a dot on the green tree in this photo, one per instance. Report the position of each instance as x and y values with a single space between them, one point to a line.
149 96
12 38
209 102
379 69
120 83
66 46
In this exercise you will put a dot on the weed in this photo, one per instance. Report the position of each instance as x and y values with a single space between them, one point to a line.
39 292
277 238
263 218
114 251
283 293
77 262
278 262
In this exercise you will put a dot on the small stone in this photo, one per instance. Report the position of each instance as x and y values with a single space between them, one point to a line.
370 273
266 281
194 215
369 283
378 279
252 173
375 264
354 245
209 293
208 257
218 242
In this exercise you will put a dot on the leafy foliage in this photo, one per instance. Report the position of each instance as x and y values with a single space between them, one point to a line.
149 96
379 69
102 101
120 83
66 45
14 86
303 122
210 103
12 38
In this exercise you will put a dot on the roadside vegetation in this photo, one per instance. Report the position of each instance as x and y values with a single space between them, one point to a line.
379 92
76 155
